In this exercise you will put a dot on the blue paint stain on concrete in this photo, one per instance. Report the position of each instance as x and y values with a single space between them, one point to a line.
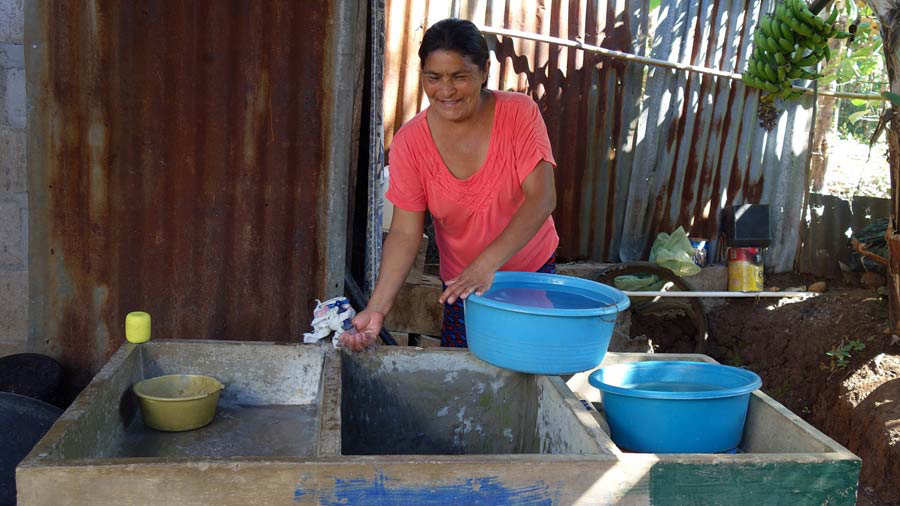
474 491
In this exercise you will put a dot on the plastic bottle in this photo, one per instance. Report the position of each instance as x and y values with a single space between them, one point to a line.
745 270
137 327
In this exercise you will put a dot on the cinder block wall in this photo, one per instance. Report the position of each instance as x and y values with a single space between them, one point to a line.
13 181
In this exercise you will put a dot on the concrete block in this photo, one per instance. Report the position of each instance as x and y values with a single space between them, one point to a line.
13 310
13 176
416 309
12 21
14 105
12 56
12 348
13 246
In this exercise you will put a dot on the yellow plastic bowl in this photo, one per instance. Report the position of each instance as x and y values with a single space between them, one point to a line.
178 402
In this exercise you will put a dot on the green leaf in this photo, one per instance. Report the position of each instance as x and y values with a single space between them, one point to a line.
857 115
866 68
864 51
858 102
893 97
827 79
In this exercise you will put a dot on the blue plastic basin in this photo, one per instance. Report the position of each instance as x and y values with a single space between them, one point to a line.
675 407
542 323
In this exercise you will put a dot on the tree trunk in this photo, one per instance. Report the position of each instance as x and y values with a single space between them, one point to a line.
825 122
888 12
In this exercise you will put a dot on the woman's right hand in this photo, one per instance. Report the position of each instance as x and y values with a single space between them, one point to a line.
368 325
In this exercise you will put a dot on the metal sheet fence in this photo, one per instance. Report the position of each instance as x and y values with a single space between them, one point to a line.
640 150
826 235
189 160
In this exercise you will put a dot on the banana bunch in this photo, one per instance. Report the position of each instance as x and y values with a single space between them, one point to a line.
788 45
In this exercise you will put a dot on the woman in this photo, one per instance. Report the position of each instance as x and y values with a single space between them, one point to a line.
480 162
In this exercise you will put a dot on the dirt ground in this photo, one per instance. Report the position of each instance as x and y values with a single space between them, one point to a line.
830 359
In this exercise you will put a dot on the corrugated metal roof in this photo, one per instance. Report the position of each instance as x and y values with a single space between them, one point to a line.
640 150
180 159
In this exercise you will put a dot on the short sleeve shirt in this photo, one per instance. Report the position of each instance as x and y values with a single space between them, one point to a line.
468 214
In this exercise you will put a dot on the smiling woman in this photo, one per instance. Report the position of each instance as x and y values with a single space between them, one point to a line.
481 163
455 86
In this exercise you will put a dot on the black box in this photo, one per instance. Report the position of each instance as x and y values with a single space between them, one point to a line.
746 225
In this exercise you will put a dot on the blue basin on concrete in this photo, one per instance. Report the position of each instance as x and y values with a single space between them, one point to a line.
675 406
543 323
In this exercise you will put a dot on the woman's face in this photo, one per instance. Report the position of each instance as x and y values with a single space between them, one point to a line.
453 84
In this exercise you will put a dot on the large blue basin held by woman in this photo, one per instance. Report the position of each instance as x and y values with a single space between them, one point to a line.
674 406
542 323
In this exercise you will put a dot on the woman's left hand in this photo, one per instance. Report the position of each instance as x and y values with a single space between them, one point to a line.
476 279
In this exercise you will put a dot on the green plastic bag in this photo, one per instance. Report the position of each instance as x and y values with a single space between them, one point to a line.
674 252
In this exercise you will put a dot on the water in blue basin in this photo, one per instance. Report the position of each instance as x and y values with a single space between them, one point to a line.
541 297
674 386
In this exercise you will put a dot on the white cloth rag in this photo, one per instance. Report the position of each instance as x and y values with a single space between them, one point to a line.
333 315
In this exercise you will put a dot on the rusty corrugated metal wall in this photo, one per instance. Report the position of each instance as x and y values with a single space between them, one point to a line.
640 150
185 159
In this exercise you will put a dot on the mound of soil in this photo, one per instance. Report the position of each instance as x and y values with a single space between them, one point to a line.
829 359
864 410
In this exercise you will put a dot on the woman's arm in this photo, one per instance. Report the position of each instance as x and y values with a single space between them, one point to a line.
540 201
400 249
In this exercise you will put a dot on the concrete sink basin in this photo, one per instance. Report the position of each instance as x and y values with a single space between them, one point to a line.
304 424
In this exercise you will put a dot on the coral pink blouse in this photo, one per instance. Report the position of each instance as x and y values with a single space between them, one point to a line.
470 213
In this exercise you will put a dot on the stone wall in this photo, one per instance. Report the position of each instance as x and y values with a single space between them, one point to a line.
13 180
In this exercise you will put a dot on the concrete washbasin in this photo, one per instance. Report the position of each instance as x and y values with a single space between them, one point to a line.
448 403
305 424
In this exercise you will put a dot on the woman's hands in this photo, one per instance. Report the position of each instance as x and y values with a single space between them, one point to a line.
400 250
539 203
476 278
366 327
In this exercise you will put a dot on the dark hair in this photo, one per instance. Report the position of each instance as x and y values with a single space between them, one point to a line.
457 35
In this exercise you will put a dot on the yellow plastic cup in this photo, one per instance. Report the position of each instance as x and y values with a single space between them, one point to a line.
137 327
